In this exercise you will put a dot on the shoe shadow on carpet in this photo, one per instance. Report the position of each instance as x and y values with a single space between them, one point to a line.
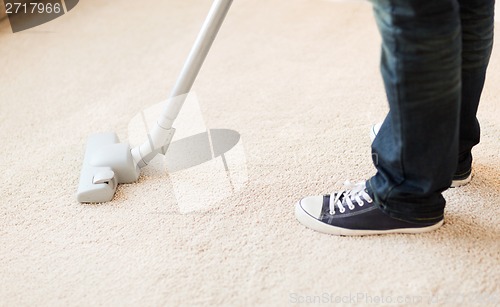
487 176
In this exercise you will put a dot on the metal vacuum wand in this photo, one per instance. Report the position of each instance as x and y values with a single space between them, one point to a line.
162 133
108 162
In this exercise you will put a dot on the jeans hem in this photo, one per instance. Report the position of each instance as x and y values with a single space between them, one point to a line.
393 213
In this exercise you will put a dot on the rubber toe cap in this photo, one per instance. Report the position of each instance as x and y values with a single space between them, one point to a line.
312 205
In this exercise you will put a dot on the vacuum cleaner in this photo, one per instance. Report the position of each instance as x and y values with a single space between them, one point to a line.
108 162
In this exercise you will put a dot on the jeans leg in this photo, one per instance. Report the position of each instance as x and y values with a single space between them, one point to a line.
477 18
416 149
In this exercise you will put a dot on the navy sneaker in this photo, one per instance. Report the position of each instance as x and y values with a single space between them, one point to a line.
352 212
458 179
461 179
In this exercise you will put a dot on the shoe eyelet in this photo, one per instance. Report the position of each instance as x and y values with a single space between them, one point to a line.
352 207
342 210
332 212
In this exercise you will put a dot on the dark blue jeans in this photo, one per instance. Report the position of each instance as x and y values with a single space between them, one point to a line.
434 59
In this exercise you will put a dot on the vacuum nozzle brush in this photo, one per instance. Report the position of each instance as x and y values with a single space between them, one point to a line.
107 162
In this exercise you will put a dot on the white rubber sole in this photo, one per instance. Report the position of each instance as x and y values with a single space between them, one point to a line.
310 222
459 183
374 131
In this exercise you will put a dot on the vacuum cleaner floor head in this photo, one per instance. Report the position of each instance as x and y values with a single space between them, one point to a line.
107 162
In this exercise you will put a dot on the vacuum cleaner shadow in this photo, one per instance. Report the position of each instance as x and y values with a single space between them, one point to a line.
200 148
204 169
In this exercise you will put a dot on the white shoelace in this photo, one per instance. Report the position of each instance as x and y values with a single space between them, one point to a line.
351 194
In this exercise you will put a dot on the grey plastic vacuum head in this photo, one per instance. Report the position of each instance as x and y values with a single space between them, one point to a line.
107 162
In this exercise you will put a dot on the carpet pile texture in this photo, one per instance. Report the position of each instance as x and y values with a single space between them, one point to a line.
298 82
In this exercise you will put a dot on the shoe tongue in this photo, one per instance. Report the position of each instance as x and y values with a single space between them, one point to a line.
341 198
351 193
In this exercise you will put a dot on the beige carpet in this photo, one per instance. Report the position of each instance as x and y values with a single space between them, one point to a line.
299 81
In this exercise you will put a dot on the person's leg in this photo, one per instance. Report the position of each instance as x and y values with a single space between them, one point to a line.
415 151
477 42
